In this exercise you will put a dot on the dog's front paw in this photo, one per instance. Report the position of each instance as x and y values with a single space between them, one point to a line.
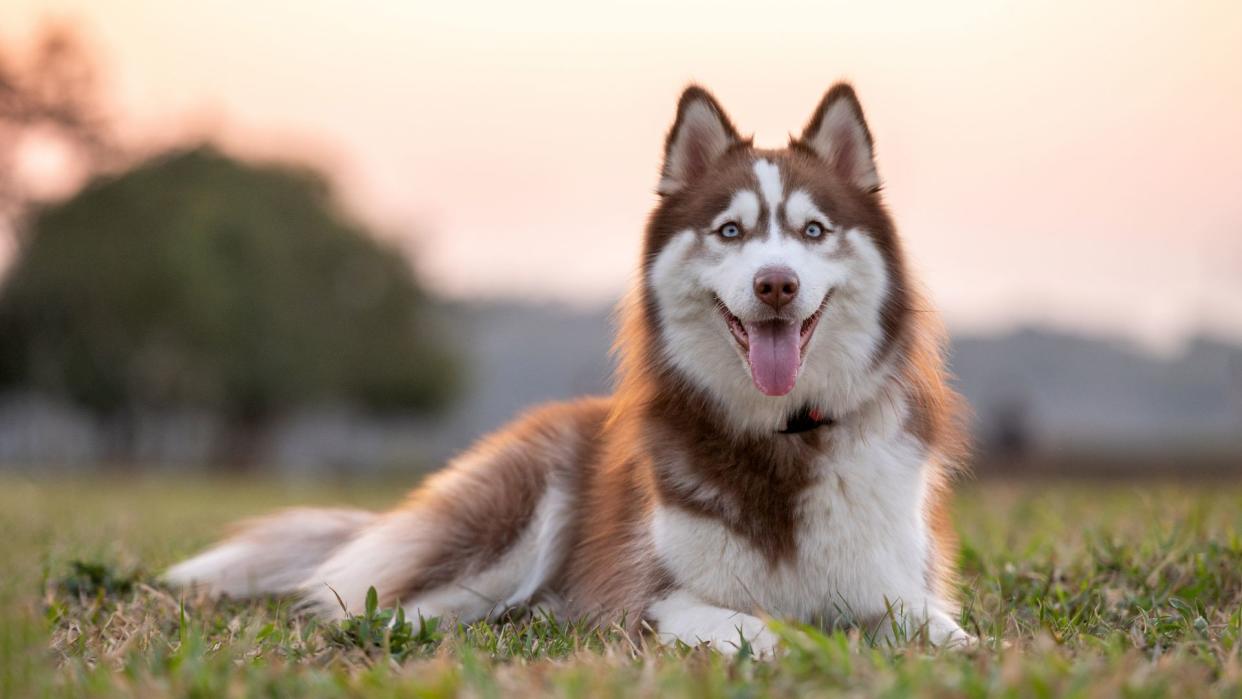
943 632
763 643
743 631
680 617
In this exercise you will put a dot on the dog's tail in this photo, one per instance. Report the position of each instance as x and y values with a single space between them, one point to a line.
270 555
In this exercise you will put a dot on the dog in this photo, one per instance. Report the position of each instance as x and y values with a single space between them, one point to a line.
781 441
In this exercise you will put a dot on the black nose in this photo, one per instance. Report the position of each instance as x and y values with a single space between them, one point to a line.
776 286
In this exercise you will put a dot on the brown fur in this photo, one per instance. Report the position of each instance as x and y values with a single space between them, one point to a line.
481 505
611 573
659 426
659 440
663 419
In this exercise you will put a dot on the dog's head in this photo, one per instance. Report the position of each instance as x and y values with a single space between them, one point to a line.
774 276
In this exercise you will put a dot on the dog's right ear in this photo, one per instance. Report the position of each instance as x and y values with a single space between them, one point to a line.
700 134
838 134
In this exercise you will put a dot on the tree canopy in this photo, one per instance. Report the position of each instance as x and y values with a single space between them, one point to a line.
198 280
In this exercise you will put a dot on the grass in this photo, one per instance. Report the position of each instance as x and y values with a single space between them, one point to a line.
1081 590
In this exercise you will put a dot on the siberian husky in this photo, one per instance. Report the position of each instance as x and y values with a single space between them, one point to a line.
780 442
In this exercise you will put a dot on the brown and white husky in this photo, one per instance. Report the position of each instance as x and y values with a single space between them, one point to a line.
780 442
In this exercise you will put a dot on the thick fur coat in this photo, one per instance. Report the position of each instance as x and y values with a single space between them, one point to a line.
780 441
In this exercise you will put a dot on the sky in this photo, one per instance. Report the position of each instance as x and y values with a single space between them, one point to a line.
1073 164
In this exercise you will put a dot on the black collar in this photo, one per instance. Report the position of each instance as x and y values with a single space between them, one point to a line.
806 420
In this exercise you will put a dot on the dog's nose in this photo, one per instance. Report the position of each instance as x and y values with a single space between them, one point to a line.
776 286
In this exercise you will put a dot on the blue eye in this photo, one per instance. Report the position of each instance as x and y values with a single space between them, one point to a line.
813 230
729 230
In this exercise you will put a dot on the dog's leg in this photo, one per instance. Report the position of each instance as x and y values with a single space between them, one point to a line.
481 536
683 617
442 558
457 589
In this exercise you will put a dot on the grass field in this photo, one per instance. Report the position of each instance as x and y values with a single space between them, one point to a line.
1079 590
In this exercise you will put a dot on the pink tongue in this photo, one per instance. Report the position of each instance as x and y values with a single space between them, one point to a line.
774 355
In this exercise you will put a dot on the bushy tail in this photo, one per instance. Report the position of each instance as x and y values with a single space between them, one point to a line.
271 555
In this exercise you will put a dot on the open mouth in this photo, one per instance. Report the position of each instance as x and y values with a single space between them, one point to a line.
774 347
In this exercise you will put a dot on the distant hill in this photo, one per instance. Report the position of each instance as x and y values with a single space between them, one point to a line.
1067 390
1101 393
521 355
1046 391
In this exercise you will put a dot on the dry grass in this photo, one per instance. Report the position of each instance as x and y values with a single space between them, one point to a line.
1081 590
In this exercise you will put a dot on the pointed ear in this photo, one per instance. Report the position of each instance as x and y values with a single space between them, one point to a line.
838 134
700 134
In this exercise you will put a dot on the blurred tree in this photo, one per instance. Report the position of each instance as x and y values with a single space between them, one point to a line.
50 92
197 281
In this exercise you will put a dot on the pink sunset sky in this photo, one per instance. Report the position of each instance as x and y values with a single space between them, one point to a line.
1077 164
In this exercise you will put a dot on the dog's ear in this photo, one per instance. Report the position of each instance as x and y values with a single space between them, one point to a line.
838 134
700 134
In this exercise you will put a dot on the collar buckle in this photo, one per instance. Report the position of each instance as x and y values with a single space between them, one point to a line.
806 420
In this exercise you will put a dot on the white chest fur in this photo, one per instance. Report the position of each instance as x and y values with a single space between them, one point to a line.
861 543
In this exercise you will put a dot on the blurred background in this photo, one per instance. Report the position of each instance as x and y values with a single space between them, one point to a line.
346 238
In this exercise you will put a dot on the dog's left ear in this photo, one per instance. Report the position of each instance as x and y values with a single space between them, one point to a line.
701 133
838 134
